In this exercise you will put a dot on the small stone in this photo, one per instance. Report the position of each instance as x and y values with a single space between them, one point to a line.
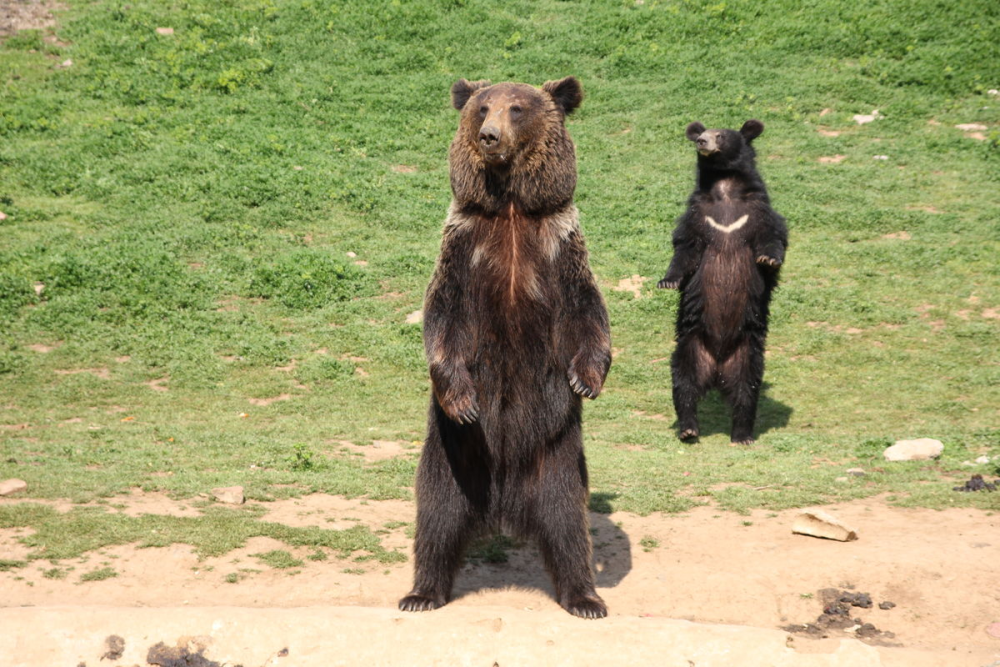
993 91
115 646
857 472
880 157
817 523
9 487
352 254
232 495
921 449
861 119
3 216
416 317
983 459
164 31
66 63
886 605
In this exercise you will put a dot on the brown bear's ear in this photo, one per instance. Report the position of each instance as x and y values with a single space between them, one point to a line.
694 130
566 92
462 90
751 129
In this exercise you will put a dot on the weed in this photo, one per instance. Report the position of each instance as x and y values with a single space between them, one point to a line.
99 575
279 559
649 543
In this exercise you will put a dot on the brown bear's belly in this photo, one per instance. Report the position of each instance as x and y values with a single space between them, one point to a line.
729 278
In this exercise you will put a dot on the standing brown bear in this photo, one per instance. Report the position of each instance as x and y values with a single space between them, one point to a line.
728 249
515 331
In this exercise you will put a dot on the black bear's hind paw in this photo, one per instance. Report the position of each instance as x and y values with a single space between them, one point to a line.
769 261
749 440
587 607
688 434
418 603
668 284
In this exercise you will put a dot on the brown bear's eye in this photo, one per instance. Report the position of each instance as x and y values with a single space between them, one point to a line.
483 110
515 109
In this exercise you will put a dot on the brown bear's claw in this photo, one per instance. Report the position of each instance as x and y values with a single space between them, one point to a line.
579 387
417 603
587 607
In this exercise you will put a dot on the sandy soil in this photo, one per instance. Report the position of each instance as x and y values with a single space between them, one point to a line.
938 567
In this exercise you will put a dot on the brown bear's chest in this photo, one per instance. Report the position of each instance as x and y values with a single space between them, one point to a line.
511 263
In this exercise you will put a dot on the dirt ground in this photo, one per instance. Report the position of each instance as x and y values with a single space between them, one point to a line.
707 566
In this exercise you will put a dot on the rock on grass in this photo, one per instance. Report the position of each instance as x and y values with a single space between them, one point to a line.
921 449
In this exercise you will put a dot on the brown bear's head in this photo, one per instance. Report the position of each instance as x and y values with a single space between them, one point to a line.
503 122
724 146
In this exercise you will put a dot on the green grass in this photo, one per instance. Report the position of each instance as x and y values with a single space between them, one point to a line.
180 211
99 575
279 559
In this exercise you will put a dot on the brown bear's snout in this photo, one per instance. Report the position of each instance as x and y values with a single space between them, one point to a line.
489 135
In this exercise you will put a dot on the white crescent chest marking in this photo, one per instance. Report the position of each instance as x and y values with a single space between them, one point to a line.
731 228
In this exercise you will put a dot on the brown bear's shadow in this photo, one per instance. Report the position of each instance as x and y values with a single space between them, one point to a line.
500 563
714 415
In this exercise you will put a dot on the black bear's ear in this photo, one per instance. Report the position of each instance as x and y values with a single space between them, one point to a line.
694 130
566 92
752 129
462 90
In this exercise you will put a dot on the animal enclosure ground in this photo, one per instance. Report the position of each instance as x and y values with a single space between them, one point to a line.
219 220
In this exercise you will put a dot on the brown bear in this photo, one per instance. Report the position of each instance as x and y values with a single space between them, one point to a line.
516 332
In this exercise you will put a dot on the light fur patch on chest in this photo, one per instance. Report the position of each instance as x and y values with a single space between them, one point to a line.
742 220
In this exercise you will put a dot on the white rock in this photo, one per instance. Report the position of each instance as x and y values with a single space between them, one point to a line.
416 317
230 494
983 459
351 254
880 157
11 486
920 449
861 119
857 472
817 523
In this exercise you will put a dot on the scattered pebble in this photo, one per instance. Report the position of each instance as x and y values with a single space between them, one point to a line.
9 487
857 472
232 495
921 449
886 605
817 523
861 119
164 31
880 157
352 254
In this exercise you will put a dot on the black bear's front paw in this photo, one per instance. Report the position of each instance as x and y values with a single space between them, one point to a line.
414 602
669 283
766 260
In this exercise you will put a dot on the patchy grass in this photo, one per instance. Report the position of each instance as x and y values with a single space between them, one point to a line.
99 575
212 240
279 559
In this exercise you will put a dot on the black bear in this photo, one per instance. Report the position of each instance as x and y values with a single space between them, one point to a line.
728 249
516 332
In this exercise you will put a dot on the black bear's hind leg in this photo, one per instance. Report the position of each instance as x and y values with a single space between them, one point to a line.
741 377
692 368
560 525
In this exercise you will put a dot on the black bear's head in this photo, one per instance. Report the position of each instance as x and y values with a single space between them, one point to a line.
724 146
502 120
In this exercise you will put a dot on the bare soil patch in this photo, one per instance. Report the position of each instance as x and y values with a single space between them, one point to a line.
709 567
18 15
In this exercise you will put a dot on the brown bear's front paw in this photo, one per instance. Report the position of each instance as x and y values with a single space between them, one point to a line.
463 410
666 283
766 260
589 606
414 602
583 388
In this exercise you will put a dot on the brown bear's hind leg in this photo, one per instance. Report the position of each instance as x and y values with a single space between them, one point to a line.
560 526
450 509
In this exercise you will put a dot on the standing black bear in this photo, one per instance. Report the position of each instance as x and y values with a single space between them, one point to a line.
515 331
728 248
